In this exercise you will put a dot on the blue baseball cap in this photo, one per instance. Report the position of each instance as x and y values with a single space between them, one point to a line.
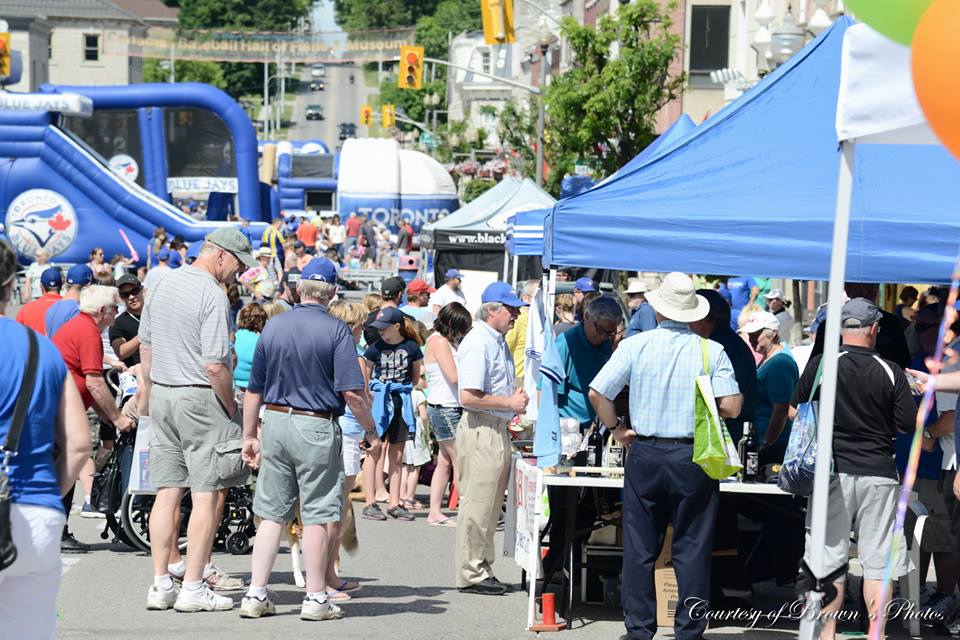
298 245
386 317
175 259
80 275
193 252
51 278
320 269
503 293
163 254
585 285
453 273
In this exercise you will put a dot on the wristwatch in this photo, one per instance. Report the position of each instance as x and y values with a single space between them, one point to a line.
617 425
927 434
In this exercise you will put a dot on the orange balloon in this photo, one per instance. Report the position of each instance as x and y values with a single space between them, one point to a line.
936 52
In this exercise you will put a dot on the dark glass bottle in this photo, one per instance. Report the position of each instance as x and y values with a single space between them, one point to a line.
751 455
595 447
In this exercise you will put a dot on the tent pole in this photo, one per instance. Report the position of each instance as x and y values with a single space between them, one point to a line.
810 623
506 266
550 290
516 265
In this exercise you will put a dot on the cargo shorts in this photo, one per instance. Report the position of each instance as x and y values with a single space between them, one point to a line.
300 457
865 505
193 442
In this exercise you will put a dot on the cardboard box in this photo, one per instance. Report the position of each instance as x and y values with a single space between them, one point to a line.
665 581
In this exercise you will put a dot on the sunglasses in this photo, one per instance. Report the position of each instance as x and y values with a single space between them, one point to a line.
129 293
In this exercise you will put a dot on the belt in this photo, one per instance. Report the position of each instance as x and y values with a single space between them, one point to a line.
658 440
489 417
183 386
299 412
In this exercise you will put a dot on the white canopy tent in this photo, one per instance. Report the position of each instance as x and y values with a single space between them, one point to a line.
876 105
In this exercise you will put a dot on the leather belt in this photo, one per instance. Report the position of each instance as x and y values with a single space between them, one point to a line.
657 440
299 412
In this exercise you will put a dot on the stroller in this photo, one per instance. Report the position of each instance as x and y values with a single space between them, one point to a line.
133 526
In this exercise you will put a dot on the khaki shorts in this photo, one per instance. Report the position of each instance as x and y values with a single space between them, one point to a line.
936 531
192 441
865 505
300 457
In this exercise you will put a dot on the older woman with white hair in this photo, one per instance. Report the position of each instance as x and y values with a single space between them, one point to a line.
777 377
50 451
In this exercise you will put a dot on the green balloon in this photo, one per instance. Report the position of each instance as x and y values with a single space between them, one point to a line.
896 19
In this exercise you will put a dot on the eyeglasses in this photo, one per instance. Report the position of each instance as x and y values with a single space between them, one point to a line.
602 331
129 293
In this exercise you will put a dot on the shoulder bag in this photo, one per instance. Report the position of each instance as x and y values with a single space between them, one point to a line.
8 551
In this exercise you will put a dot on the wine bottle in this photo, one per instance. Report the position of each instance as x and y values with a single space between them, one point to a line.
751 463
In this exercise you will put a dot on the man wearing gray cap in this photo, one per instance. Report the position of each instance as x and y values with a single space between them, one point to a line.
873 403
188 396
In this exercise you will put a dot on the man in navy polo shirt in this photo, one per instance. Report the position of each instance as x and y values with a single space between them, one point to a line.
299 455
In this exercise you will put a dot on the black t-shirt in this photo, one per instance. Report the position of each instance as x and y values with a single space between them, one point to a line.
370 333
126 328
870 410
393 362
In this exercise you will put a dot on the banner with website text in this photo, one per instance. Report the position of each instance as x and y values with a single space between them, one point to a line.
244 46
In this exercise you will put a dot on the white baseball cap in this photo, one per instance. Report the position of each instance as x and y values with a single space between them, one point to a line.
761 320
636 285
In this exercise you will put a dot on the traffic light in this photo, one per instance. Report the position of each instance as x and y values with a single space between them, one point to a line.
498 21
4 54
410 75
388 116
366 114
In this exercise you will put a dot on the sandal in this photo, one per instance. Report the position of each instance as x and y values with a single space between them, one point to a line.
448 523
347 586
412 504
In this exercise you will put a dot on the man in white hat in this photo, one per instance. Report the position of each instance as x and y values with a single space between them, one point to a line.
662 484
642 316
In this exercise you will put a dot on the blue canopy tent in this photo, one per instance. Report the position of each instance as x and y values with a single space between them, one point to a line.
664 142
525 233
753 191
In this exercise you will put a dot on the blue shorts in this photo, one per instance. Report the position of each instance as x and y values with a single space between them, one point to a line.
443 421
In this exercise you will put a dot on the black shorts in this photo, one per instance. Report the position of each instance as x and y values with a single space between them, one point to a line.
398 431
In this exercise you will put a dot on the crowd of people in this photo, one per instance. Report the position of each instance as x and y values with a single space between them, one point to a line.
408 378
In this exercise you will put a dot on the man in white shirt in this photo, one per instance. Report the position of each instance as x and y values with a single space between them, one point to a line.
34 271
449 292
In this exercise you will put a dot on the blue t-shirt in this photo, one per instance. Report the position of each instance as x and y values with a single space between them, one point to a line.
33 476
416 313
776 380
305 359
644 318
582 362
244 345
393 362
348 422
740 288
59 314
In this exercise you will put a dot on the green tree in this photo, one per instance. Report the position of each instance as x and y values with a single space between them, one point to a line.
186 71
359 15
476 188
451 16
603 110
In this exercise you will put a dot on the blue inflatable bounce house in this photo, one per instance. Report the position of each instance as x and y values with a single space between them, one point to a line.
109 177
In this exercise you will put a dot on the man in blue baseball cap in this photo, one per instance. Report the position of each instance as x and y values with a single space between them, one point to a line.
79 277
157 272
33 314
300 455
582 286
449 292
491 399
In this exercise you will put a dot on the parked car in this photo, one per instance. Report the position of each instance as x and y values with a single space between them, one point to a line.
348 130
317 85
318 70
314 112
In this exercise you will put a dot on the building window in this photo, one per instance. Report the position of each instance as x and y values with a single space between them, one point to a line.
709 42
91 47
49 47
485 62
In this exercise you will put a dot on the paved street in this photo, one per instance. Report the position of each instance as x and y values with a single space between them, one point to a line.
406 572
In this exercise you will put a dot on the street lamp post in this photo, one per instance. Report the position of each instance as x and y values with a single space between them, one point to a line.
787 39
545 40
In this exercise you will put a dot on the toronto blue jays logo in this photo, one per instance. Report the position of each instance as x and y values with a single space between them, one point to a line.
41 219
125 166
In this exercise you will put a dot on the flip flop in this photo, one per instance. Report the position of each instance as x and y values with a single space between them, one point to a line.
447 523
348 585
412 504
338 596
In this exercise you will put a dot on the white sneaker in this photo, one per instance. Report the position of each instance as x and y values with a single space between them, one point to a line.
256 608
314 610
160 599
203 599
